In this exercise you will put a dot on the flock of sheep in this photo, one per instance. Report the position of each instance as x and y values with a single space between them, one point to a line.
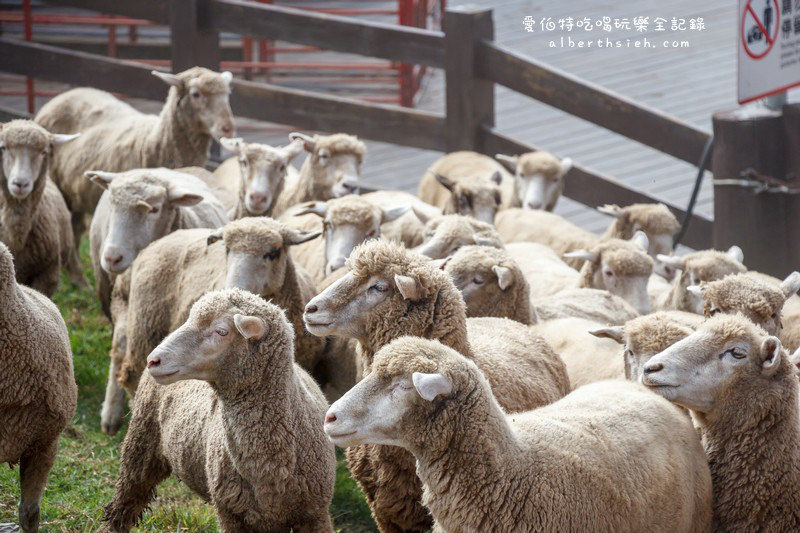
492 366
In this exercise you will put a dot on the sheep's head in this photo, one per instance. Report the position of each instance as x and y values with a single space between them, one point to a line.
644 337
143 207
202 97
728 358
335 162
25 149
697 267
394 404
257 253
475 196
620 267
538 177
216 342
445 234
347 222
262 169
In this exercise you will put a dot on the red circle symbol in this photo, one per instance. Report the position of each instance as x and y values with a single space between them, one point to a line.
756 30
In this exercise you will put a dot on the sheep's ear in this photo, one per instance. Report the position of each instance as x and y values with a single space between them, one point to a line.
497 177
313 208
508 161
408 287
299 237
429 386
446 182
250 327
505 277
771 351
235 145
791 284
614 333
309 143
424 218
640 239
696 290
166 77
60 138
611 210
439 264
583 254
566 165
214 236
183 198
394 213
98 177
737 253
795 358
293 149
227 77
672 261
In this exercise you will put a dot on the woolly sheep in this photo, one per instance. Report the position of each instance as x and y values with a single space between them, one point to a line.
116 137
742 391
592 304
34 220
538 178
138 207
409 228
37 387
331 169
227 410
608 457
391 292
445 234
468 183
547 274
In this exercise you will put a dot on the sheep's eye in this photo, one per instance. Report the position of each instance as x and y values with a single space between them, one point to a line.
714 312
371 234
272 254
195 94
477 280
243 162
735 353
227 250
154 210
221 332
629 354
323 155
379 287
608 273
774 316
497 198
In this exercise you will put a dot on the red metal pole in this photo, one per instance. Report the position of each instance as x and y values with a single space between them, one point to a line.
26 8
112 41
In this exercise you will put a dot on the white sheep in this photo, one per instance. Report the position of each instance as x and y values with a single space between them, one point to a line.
444 234
409 228
538 178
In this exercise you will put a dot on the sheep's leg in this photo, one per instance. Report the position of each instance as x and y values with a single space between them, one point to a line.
33 471
113 409
78 229
323 523
47 280
75 269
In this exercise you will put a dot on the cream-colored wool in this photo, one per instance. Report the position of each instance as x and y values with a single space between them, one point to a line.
653 219
625 258
530 167
37 386
248 439
445 234
36 228
409 228
591 304
697 267
547 274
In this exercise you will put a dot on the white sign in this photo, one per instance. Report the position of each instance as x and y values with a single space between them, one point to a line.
769 47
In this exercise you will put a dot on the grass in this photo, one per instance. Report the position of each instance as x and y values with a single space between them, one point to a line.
82 479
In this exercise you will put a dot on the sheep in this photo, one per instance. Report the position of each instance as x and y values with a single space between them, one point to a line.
227 410
591 304
38 394
391 292
253 179
116 137
608 457
742 391
138 207
409 228
34 220
331 169
547 274
538 178
175 271
344 223
445 234
468 183
696 267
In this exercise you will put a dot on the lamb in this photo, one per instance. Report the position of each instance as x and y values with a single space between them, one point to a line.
138 207
37 386
228 411
34 220
468 183
391 292
445 234
116 137
331 169
607 457
253 179
742 391
538 178
409 228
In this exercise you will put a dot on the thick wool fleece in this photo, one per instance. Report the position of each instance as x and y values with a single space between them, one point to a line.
116 137
37 387
704 265
608 457
592 304
471 263
752 439
251 443
35 228
653 219
522 368
445 234
407 229
624 258
171 274
740 293
651 334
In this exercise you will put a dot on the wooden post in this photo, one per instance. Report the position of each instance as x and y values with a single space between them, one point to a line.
470 101
791 128
193 43
761 224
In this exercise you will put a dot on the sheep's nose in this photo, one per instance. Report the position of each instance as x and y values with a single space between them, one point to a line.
113 260
534 205
153 360
257 198
227 129
311 309
653 368
350 187
330 417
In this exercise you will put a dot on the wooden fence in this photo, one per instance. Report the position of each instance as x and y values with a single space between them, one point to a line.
472 61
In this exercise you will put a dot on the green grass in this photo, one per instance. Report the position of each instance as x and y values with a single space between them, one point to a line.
82 479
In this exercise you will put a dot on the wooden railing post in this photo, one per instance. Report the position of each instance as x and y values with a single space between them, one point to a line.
469 100
193 42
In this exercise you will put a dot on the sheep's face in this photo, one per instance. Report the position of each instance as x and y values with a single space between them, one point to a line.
476 198
143 207
336 174
204 99
479 276
538 178
445 235
630 287
697 267
538 191
699 371
794 359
